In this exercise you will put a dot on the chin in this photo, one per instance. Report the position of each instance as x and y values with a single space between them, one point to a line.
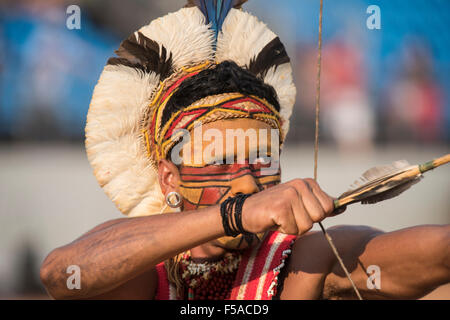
237 243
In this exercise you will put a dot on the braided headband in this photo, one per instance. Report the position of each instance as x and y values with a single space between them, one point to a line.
161 136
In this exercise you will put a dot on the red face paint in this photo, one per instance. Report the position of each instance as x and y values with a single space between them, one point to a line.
212 184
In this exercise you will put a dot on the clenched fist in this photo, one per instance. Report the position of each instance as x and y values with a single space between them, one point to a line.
292 208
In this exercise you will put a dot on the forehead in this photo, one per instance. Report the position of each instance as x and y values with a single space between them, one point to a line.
231 138
235 125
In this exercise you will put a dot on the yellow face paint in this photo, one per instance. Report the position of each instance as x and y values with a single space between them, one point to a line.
237 243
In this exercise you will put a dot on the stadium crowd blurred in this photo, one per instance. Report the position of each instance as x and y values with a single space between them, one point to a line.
385 85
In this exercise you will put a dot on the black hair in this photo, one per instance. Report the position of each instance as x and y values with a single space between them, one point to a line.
226 77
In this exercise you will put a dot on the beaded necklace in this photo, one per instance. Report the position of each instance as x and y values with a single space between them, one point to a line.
209 280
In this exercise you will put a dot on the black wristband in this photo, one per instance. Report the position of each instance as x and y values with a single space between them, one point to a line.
231 212
226 213
240 199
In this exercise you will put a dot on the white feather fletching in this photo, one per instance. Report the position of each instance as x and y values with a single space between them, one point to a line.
373 184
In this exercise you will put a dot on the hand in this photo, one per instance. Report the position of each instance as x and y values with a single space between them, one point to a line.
292 208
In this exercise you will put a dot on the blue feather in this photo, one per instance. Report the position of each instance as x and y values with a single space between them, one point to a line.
216 11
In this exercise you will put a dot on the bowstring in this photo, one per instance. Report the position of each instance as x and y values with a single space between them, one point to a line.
316 150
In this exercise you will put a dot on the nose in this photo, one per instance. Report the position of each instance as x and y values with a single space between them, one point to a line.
244 184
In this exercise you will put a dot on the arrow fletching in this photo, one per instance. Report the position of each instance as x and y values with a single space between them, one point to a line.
386 182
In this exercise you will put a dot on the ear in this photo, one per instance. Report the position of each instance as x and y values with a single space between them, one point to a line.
168 176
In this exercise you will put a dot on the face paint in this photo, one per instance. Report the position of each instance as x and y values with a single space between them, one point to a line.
212 180
238 242
209 185
212 184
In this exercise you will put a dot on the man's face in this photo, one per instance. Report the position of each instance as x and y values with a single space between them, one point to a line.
230 167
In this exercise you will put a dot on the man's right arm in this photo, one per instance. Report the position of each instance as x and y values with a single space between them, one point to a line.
115 253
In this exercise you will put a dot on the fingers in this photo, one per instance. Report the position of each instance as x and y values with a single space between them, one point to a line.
292 207
310 201
311 205
287 223
326 202
301 215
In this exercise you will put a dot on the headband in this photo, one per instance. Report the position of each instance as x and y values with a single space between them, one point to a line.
164 134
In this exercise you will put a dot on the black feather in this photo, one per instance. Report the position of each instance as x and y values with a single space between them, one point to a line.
145 54
273 54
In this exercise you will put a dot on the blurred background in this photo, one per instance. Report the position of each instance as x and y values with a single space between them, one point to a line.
384 97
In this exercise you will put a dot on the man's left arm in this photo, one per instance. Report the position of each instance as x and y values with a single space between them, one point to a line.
404 264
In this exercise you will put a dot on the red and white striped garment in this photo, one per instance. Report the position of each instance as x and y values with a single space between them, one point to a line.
257 276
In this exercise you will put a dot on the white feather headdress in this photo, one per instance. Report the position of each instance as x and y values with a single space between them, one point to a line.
128 83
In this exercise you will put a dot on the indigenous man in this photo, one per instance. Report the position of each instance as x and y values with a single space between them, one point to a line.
230 229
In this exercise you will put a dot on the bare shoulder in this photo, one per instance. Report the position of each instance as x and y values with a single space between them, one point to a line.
142 287
312 260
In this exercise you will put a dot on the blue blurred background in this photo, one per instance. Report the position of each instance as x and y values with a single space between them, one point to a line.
385 96
396 76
